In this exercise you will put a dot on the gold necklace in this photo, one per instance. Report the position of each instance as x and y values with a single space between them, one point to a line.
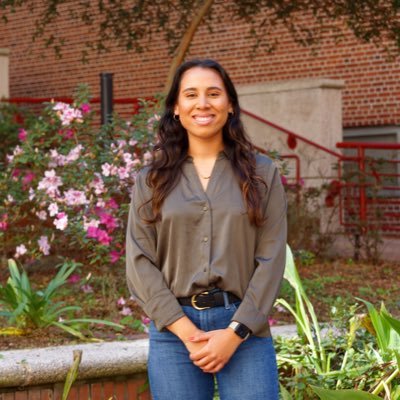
204 177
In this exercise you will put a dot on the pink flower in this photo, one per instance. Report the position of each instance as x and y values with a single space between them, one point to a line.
28 178
53 209
121 301
85 108
3 222
108 169
15 174
17 151
98 185
123 172
75 197
67 114
145 320
74 278
112 204
99 234
20 250
87 288
66 134
92 231
108 220
103 237
74 154
22 134
62 221
272 321
114 256
50 183
42 215
126 311
44 245
69 134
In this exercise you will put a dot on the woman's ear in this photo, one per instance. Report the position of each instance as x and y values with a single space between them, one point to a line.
176 110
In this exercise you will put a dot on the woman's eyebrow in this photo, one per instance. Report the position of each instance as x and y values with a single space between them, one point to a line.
190 89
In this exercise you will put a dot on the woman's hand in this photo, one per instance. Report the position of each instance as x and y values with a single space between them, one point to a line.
218 348
185 328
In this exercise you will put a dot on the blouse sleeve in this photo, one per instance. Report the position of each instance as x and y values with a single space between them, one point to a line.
144 278
270 255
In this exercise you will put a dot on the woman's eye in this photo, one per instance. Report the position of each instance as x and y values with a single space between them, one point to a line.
214 94
190 95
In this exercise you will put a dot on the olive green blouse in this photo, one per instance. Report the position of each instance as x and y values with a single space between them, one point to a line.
205 240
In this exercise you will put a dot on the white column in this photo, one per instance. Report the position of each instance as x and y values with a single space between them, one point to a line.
311 108
4 73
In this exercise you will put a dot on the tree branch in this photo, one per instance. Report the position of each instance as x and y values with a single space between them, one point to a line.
186 40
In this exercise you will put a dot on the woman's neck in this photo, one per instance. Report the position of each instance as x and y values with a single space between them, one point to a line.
205 150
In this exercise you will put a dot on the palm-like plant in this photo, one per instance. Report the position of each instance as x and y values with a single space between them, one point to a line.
28 308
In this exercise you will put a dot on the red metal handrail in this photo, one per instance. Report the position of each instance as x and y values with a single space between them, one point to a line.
295 157
363 199
291 133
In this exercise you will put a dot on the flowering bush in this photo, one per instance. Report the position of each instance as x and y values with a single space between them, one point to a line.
65 187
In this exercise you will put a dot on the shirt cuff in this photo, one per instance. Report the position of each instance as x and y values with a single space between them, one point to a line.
256 321
163 310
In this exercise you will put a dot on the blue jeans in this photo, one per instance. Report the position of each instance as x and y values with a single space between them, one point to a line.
251 373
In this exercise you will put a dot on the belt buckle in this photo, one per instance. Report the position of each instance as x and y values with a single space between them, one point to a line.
193 302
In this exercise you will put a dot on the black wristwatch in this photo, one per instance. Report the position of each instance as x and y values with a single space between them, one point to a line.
240 329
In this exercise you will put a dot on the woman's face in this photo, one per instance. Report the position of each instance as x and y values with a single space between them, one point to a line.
203 104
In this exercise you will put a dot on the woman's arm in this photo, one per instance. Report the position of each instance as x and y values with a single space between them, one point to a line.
144 278
270 257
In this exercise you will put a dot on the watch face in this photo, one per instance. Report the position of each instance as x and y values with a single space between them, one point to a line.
240 329
243 331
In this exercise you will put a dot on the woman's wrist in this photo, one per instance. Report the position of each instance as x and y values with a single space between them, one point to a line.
184 328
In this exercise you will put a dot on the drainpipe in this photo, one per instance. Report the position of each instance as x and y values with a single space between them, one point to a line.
106 96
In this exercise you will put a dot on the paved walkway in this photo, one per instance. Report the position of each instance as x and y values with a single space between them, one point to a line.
284 330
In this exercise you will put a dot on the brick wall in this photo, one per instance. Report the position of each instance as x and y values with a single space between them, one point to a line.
371 96
119 388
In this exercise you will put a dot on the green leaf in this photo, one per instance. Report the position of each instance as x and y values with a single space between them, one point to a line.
382 328
70 330
285 395
94 321
72 373
350 394
393 322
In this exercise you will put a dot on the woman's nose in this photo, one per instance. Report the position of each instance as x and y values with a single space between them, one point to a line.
202 102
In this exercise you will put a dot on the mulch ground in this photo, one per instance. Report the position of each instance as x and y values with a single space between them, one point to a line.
327 284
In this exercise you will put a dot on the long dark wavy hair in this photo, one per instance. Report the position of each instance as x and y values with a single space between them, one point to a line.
171 149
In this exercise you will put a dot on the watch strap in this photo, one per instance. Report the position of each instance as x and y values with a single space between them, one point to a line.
240 329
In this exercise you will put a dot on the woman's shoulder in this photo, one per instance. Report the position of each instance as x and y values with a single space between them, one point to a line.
141 178
264 163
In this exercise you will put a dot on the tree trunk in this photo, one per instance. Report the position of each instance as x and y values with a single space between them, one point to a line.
185 42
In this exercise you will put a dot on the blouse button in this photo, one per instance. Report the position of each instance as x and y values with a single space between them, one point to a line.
205 239
205 208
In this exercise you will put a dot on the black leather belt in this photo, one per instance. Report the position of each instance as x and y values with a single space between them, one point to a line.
208 299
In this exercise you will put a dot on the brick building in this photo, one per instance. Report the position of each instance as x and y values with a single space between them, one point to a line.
372 83
370 96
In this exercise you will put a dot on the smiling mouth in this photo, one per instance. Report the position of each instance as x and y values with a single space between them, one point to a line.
203 120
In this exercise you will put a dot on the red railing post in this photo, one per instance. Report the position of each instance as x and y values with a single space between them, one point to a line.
362 188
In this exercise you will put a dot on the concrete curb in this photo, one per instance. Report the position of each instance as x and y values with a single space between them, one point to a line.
51 364
19 368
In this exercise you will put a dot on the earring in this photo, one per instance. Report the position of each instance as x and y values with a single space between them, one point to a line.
231 114
176 117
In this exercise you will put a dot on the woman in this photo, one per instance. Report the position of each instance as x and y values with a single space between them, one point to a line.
206 246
